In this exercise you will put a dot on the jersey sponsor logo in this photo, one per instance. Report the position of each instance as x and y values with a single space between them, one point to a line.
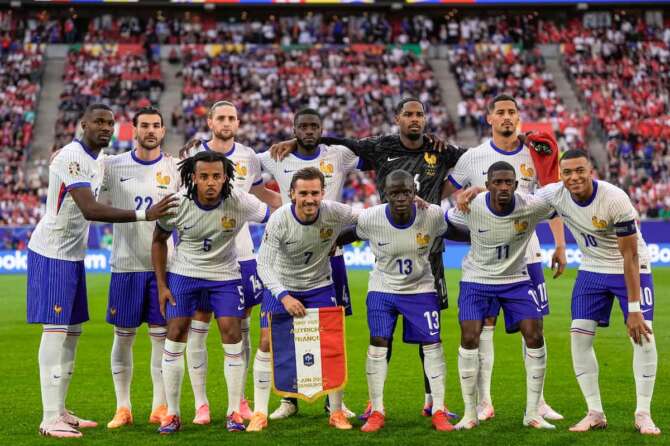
325 234
123 180
422 240
527 173
520 226
431 162
240 171
74 168
58 309
162 180
597 223
326 169
228 224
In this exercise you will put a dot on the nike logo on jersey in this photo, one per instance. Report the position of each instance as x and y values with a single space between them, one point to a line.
288 171
483 230
188 227
383 243
292 242
126 179
392 159
485 173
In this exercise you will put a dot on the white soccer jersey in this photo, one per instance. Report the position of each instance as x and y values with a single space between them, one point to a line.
295 256
247 175
499 242
401 252
63 231
130 183
596 223
334 162
206 248
472 168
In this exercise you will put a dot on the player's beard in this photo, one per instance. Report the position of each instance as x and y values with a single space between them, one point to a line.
506 133
150 145
224 135
413 136
308 146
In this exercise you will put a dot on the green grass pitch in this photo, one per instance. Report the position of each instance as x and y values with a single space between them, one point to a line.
92 395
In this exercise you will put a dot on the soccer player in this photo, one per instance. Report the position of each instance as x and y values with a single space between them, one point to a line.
615 265
294 264
137 179
335 163
223 123
471 170
402 283
56 294
501 223
413 151
210 215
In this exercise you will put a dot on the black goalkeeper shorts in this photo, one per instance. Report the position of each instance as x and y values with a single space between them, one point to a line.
437 268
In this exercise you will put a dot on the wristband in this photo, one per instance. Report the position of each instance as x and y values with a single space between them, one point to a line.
140 215
634 307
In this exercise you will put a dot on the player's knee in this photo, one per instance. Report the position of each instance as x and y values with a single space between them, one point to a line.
202 316
533 338
490 321
378 341
178 329
469 339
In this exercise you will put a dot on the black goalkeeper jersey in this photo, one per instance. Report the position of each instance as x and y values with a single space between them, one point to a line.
384 154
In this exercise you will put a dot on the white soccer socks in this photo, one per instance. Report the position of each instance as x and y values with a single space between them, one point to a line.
486 357
468 371
645 361
233 370
173 374
157 336
376 368
122 364
584 362
536 366
262 381
246 351
196 356
67 361
51 370
435 370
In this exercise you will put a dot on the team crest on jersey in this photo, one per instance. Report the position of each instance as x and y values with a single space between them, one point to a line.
228 224
162 180
240 171
74 168
326 169
527 173
325 234
422 240
598 224
520 226
431 162
58 309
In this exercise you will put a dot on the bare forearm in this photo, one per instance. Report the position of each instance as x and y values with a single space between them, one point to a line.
631 272
104 213
159 253
270 197
556 227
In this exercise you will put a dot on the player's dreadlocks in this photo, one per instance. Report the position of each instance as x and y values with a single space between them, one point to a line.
187 169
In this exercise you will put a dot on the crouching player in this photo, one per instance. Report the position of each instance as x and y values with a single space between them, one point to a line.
209 216
294 264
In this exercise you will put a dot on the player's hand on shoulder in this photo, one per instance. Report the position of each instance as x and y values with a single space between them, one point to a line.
165 296
421 203
282 149
163 207
466 196
183 152
293 306
436 144
637 328
558 261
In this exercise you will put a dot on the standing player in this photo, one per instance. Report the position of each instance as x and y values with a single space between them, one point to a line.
294 264
401 282
501 224
223 123
56 292
471 170
335 163
209 216
410 150
137 179
615 263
